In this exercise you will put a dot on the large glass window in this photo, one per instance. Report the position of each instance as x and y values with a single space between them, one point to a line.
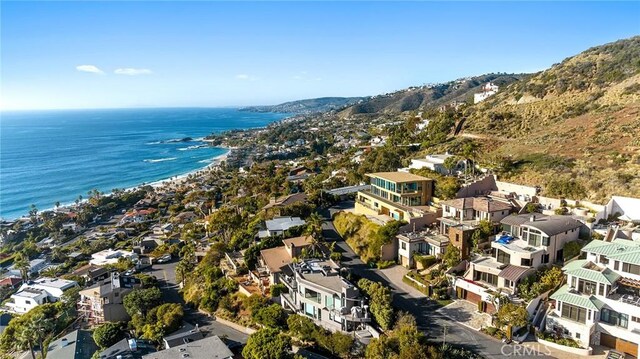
614 318
587 287
503 257
631 268
574 313
488 278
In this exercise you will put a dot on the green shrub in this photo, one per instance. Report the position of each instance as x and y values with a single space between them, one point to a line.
385 264
571 249
277 289
336 256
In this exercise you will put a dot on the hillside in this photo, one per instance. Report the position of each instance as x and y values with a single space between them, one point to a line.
583 113
417 98
308 106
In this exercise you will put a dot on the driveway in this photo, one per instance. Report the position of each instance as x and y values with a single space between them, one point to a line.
437 327
466 312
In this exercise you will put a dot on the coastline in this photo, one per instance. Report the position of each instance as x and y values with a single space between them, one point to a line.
172 181
214 162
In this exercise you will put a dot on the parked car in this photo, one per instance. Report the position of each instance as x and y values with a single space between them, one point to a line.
164 259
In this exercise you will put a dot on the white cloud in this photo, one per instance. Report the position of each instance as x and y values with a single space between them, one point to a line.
132 72
89 68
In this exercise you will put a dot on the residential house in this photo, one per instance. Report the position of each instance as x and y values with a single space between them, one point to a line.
37 292
600 304
278 225
488 90
137 216
11 282
78 344
35 267
103 302
400 196
187 333
627 208
274 261
128 349
421 243
316 290
434 163
527 243
111 256
299 174
461 217
275 206
185 217
208 348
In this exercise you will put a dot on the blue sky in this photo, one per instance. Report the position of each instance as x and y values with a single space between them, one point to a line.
165 54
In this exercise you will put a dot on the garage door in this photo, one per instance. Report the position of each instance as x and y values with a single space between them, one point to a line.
619 344
470 296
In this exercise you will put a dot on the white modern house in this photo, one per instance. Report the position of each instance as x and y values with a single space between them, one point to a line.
35 266
316 290
527 243
433 162
110 256
488 90
38 292
600 304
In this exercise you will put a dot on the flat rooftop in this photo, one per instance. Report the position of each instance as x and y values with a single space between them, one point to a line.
398 177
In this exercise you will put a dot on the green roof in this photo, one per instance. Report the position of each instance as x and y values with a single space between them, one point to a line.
578 269
580 300
632 257
610 248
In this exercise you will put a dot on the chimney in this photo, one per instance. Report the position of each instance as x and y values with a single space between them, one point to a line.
532 218
197 328
64 342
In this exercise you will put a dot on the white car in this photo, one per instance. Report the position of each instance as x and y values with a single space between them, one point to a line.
164 259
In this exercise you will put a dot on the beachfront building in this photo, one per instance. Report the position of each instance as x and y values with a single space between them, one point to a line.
600 304
110 256
461 217
398 195
38 292
278 225
527 243
103 302
419 243
316 290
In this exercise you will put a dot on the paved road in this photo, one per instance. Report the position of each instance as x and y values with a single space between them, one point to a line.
166 275
437 327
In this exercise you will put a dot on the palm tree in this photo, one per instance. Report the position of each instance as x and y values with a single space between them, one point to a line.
24 340
40 326
21 262
314 229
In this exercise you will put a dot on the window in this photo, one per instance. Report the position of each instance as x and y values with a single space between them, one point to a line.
525 262
27 302
404 245
601 289
503 257
635 319
614 318
577 335
489 278
616 265
586 287
574 313
457 237
545 258
631 268
545 241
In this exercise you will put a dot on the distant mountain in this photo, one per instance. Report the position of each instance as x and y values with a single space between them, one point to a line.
421 97
308 106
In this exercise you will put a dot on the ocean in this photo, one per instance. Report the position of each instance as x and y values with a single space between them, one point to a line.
55 156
